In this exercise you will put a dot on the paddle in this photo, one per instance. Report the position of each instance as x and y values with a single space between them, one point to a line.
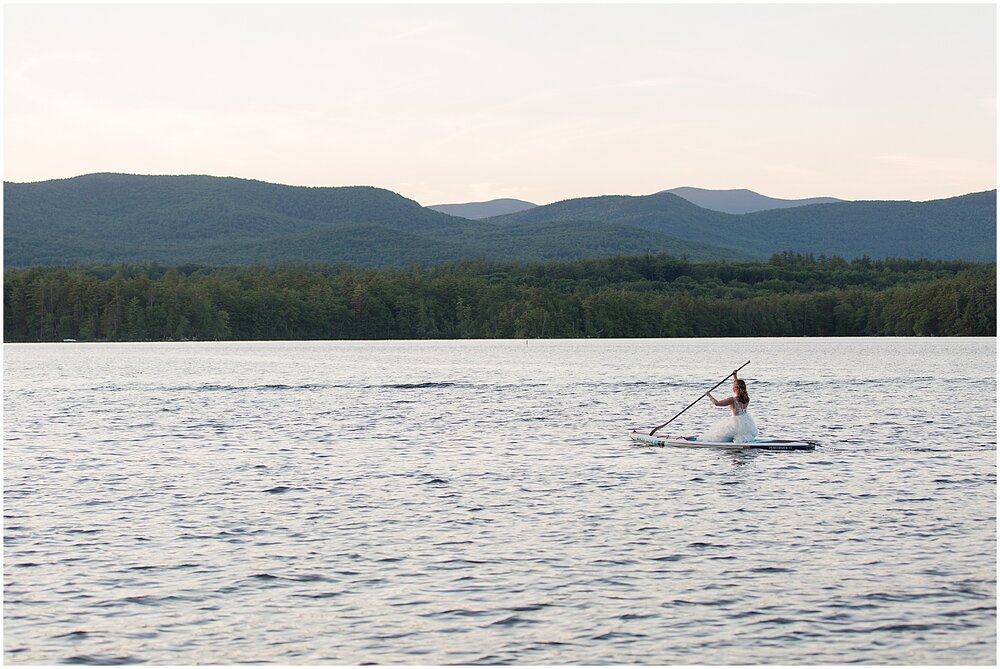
699 397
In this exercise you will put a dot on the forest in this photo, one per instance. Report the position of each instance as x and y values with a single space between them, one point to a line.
634 296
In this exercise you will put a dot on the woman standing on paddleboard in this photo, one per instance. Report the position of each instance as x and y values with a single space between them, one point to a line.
739 427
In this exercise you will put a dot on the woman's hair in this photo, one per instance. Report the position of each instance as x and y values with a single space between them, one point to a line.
742 395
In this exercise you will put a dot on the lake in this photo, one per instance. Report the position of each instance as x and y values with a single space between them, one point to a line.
471 502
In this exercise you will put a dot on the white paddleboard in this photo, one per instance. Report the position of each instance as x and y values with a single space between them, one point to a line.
692 442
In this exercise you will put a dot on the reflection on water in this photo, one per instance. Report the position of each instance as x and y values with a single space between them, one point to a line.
480 502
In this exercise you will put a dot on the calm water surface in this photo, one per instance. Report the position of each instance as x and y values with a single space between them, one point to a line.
479 502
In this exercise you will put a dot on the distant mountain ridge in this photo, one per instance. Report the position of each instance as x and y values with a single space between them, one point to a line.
962 227
741 200
728 201
480 210
115 218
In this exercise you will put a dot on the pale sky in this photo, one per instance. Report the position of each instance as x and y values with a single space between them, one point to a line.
468 102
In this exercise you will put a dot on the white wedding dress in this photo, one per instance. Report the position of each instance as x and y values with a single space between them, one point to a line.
738 427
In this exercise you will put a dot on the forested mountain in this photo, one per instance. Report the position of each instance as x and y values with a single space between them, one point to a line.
114 218
664 213
741 200
177 219
224 221
961 227
478 210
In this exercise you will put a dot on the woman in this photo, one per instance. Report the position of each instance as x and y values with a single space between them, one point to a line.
739 427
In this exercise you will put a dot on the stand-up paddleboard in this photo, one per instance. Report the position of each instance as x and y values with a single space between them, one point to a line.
764 444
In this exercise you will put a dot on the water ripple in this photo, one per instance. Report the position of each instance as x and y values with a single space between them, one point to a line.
442 503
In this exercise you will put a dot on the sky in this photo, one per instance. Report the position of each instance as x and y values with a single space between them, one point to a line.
451 103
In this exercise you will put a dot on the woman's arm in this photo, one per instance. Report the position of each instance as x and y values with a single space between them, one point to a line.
719 403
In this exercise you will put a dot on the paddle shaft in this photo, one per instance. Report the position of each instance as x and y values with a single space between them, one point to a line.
696 401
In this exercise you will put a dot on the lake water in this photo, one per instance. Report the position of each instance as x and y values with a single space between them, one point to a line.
463 502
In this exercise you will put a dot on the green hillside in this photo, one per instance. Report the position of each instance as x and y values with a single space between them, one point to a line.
571 239
956 228
122 218
106 218
959 227
115 218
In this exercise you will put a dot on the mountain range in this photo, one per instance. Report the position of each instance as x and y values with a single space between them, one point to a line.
112 218
741 200
479 210
731 201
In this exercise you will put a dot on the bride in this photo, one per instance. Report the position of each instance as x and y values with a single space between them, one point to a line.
739 427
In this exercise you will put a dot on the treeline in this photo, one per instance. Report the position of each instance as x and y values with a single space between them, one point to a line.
641 296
